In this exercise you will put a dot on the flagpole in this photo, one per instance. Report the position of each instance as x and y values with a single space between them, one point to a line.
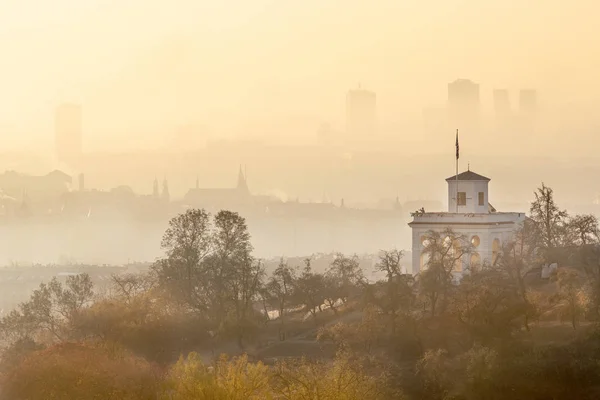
456 177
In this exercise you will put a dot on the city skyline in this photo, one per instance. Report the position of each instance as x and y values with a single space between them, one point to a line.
139 84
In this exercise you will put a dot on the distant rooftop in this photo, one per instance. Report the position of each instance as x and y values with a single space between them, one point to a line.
468 176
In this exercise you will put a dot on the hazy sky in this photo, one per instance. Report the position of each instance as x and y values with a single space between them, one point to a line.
142 67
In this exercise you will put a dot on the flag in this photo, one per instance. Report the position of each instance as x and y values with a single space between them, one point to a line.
457 144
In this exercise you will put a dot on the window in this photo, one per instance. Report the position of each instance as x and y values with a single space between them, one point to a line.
481 198
462 198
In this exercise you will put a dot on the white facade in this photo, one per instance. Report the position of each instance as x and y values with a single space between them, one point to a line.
476 219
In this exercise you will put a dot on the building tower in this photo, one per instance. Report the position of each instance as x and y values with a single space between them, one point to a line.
528 101
476 220
361 113
68 133
242 184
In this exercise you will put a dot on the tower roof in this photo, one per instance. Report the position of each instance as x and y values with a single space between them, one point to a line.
468 176
242 184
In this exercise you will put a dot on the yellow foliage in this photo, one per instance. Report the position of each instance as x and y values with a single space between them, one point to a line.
342 380
191 379
237 379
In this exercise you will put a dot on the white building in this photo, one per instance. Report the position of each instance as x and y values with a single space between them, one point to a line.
473 217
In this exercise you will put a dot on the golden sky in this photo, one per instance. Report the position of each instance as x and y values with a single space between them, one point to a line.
142 67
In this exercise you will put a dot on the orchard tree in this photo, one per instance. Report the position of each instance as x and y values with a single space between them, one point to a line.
51 311
572 297
587 259
549 221
279 292
309 290
209 268
584 229
187 243
488 306
347 274
129 287
519 259
395 294
445 252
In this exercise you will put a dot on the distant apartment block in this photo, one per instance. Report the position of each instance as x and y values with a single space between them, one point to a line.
361 113
528 101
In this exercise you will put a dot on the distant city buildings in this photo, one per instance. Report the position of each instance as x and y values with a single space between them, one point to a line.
68 133
463 103
528 102
213 198
361 113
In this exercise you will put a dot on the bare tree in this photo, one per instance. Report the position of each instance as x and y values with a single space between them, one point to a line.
183 272
309 289
129 286
518 260
348 274
549 221
243 290
583 229
279 291
488 304
571 294
396 293
446 252
51 310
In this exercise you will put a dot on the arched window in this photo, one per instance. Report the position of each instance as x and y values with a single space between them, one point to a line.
475 261
475 241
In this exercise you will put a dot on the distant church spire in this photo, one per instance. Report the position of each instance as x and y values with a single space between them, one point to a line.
242 185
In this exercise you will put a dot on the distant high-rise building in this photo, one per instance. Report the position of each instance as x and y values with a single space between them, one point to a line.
463 103
68 132
501 103
528 101
361 113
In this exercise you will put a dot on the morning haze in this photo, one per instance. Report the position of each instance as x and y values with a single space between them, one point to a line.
155 80
448 145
